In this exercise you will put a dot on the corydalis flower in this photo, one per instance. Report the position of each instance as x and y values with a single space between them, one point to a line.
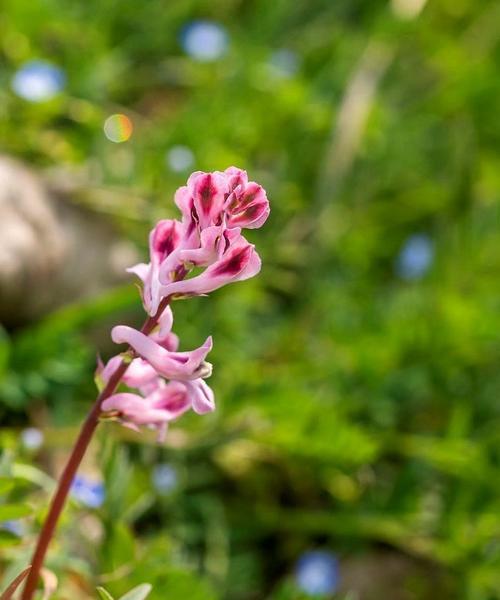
215 207
164 382
164 404
171 365
164 242
157 403
235 260
222 197
154 402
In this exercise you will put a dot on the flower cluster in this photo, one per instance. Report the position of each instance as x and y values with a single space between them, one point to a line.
215 207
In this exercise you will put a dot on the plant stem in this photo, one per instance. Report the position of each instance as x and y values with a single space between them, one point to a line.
79 449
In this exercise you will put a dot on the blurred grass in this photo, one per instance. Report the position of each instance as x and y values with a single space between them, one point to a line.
357 410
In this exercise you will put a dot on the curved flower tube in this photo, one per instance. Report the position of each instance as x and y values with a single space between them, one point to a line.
164 240
164 335
138 375
180 366
240 261
157 409
201 396
208 251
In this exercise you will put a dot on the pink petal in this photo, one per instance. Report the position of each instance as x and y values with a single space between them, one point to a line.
105 372
239 262
235 177
141 270
139 374
166 321
173 399
201 395
209 192
135 409
172 365
247 207
206 254
164 239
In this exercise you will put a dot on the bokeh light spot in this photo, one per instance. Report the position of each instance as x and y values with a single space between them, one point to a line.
118 128
284 63
317 573
205 41
37 81
31 438
87 491
165 478
180 159
415 257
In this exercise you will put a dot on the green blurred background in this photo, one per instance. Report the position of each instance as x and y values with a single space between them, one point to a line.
357 378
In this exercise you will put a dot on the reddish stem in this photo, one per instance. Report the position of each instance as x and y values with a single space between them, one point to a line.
79 449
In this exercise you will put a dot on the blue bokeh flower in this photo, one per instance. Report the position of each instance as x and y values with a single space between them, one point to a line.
317 573
415 257
37 81
15 527
179 159
284 63
165 478
204 41
89 492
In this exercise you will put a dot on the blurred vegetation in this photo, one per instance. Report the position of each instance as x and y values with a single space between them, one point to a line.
357 408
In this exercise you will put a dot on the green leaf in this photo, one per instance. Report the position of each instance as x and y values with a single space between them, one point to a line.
6 484
8 538
10 591
33 475
138 593
119 548
105 595
14 511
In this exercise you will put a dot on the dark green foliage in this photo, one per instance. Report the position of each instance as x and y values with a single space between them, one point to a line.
357 410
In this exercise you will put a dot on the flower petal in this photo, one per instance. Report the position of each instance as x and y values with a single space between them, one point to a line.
235 177
239 262
164 239
135 409
141 270
172 365
206 254
247 207
209 193
201 396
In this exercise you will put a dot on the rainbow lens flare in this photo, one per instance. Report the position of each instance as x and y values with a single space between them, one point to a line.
118 128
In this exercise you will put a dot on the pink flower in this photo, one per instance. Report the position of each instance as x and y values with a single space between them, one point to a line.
158 402
247 206
164 335
215 207
208 192
237 261
139 373
206 253
222 198
164 241
171 365
201 396
161 406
